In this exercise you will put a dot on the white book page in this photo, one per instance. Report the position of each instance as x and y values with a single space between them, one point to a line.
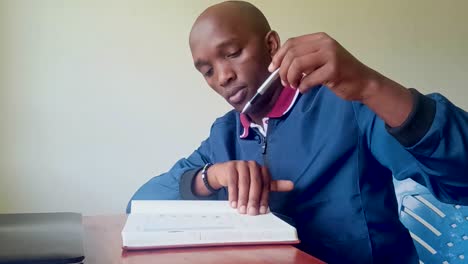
160 223
178 207
200 221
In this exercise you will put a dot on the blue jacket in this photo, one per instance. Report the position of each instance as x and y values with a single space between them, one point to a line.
341 158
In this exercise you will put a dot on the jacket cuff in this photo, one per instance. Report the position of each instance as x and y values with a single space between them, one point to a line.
418 122
186 186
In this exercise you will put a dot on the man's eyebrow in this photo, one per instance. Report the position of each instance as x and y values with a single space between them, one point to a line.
200 63
227 42
223 44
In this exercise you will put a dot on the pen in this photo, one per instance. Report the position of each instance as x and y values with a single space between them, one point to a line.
263 88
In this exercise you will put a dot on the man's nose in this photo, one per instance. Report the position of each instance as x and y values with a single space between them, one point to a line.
226 76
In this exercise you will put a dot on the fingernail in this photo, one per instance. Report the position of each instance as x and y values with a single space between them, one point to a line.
233 204
270 67
283 83
292 86
242 209
263 209
252 211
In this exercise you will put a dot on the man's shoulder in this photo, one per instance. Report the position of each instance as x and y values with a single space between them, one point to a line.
225 127
228 120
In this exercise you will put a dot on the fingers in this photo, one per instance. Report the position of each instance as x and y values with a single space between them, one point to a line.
318 76
265 190
301 66
233 187
249 185
281 186
290 43
256 187
244 187
293 56
302 56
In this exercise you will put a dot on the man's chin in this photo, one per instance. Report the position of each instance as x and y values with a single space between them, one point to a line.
237 107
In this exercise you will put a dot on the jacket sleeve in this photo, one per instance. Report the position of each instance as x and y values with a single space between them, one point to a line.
431 146
176 183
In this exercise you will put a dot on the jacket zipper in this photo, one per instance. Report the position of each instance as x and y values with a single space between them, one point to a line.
264 143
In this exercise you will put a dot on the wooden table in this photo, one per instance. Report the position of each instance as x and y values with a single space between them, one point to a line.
103 245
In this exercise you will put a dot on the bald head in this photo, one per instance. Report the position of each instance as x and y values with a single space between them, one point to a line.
238 14
232 46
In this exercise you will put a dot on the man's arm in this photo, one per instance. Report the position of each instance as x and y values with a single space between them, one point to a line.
317 59
425 138
431 146
170 185
248 184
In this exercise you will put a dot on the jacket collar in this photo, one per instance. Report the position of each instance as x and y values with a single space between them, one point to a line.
283 104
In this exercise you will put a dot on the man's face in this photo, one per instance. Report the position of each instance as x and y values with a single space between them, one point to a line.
232 59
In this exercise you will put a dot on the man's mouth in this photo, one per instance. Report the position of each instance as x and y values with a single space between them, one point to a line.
238 96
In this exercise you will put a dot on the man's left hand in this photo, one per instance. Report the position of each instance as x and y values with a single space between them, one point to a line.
315 59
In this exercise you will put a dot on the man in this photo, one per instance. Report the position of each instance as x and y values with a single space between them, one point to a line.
320 147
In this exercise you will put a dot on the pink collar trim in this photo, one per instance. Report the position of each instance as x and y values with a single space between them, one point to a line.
283 104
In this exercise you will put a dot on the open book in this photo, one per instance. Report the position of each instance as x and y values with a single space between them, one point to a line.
170 224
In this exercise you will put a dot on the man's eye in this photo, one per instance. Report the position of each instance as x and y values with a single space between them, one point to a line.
234 54
208 73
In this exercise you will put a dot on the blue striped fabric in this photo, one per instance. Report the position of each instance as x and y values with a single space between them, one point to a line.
439 230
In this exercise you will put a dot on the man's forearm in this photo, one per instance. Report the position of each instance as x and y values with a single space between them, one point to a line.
389 100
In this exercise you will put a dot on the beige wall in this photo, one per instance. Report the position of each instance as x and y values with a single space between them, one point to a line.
88 88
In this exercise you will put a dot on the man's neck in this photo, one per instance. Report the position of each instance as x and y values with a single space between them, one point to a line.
265 108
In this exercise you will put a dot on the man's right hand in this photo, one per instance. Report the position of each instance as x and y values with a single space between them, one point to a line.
248 183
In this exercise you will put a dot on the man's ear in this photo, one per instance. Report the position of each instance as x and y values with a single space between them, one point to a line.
272 41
